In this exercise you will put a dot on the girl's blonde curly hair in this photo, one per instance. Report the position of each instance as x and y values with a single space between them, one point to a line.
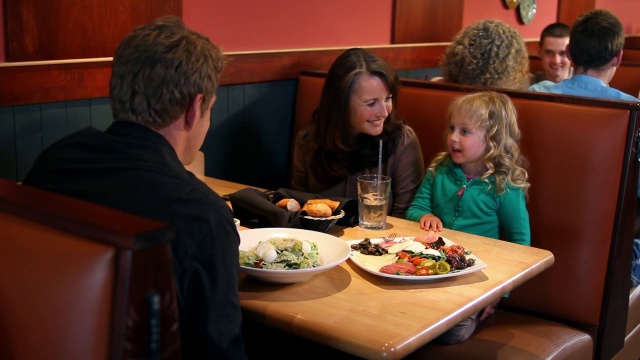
487 53
496 115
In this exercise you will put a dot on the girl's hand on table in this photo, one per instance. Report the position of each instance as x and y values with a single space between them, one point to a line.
430 222
490 309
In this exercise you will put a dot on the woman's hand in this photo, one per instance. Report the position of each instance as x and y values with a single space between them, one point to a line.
430 222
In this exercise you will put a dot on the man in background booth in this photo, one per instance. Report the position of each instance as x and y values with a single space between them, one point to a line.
163 86
597 39
556 66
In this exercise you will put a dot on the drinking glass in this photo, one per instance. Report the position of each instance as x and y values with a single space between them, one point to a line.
373 201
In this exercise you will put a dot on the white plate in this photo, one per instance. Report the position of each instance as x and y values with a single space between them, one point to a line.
479 265
333 251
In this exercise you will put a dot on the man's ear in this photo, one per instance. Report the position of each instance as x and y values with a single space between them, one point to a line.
617 59
192 115
568 50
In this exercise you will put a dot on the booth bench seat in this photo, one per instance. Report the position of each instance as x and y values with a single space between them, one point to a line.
631 349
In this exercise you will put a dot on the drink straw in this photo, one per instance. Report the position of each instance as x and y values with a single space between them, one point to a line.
379 167
380 160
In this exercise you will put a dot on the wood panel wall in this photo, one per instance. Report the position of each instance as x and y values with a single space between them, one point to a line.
569 10
58 82
423 21
70 29
632 42
41 103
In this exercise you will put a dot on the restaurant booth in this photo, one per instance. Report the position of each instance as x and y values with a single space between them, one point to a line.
80 281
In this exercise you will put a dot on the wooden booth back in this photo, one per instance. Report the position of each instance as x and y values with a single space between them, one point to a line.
80 281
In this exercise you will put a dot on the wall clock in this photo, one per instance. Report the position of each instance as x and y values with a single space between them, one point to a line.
527 10
511 4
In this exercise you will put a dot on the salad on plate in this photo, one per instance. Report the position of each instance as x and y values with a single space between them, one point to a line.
285 253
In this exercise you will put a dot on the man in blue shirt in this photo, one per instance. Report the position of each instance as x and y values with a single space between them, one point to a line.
595 47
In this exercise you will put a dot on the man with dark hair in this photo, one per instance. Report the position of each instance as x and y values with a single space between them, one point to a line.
552 51
163 84
595 47
597 39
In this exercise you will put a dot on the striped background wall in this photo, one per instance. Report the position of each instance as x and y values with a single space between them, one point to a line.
249 140
250 136
26 130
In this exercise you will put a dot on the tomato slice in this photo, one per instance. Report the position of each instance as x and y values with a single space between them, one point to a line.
417 260
423 271
403 255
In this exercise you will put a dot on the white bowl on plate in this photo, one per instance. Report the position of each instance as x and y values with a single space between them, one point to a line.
333 251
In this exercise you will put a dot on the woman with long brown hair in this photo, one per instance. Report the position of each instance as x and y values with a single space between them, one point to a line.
356 112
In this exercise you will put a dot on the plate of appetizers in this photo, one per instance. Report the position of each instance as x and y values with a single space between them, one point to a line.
419 258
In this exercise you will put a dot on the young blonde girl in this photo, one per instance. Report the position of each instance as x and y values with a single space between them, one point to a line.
479 185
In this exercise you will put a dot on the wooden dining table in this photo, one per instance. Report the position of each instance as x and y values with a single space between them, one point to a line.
369 316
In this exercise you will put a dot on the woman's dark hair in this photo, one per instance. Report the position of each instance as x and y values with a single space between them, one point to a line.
336 152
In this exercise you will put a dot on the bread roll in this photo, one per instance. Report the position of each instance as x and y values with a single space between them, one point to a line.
332 204
289 204
317 210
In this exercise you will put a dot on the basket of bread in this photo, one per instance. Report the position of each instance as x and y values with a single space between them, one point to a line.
321 214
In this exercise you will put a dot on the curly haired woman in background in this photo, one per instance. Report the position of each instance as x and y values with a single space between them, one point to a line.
487 53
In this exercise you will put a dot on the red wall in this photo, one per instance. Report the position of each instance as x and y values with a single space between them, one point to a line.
547 11
248 25
295 24
626 10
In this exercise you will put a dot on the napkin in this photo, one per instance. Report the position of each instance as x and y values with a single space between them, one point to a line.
250 204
